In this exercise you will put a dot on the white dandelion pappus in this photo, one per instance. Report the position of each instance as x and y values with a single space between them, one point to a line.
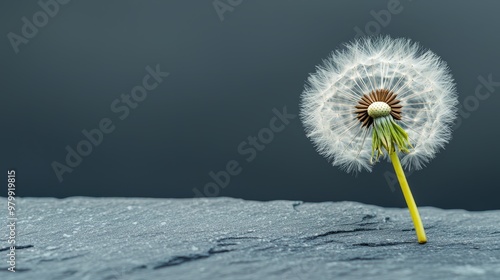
420 80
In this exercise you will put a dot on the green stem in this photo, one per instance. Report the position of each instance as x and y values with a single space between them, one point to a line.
412 206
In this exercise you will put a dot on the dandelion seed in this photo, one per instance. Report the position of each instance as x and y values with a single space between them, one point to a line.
380 98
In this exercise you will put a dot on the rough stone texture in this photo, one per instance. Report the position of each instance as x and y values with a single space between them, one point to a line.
223 238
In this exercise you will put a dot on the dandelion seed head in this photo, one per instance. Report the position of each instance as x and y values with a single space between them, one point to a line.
415 83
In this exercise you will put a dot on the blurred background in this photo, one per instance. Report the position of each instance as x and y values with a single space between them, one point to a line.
233 66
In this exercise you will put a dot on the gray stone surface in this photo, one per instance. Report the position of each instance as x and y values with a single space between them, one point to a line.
223 238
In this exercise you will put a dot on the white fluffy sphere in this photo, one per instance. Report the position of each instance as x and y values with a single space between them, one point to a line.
419 78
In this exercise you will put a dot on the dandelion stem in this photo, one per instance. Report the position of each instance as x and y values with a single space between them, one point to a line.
415 216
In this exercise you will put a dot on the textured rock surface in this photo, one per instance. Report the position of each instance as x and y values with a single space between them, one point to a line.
222 238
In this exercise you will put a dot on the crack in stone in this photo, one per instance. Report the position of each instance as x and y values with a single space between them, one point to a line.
62 259
369 244
413 229
212 251
139 267
338 232
367 224
368 220
236 238
368 217
218 249
362 259
17 247
296 204
227 244
180 260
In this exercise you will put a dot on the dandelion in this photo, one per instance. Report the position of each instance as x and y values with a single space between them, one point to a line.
381 98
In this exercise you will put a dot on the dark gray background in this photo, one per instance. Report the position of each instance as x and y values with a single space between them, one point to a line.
225 78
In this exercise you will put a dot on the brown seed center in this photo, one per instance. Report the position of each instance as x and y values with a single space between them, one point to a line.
379 95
